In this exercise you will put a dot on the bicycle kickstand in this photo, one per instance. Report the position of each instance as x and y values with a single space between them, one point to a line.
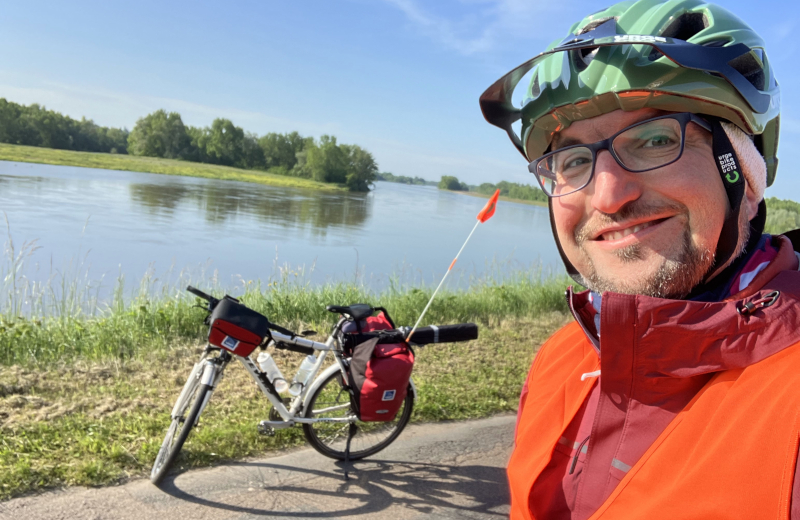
350 432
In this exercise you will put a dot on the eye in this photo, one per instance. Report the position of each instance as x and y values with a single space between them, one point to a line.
576 162
658 141
572 161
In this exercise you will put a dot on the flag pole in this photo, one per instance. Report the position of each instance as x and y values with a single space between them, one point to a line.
484 215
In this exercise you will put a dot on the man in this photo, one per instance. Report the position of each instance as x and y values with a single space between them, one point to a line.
653 129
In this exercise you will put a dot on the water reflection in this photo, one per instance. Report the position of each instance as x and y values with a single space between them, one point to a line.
130 223
284 208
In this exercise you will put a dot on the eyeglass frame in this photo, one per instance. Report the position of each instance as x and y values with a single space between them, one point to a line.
684 118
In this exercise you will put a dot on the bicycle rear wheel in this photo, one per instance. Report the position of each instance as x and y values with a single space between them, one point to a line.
179 429
332 400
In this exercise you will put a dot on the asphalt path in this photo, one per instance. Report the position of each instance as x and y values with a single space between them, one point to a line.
441 470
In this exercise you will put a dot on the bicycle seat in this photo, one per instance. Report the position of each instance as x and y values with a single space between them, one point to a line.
357 311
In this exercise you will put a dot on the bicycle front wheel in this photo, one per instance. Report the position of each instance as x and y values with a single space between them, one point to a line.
179 429
332 400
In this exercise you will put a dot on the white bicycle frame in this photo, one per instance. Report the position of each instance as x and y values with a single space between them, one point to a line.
210 371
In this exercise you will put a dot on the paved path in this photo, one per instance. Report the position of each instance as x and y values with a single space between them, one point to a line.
442 471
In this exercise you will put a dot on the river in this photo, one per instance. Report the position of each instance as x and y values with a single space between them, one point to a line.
98 225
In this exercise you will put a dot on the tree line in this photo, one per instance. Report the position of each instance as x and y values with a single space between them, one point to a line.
163 134
34 125
511 190
403 179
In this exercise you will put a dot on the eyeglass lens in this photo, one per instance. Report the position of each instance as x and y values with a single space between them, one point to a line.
643 147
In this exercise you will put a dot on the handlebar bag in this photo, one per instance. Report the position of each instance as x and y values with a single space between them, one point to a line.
236 328
379 373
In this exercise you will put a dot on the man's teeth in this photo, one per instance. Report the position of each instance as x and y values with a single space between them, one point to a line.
616 235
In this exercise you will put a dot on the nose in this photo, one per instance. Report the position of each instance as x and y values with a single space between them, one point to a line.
612 185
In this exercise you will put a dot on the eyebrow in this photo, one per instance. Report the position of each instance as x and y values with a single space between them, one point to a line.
559 142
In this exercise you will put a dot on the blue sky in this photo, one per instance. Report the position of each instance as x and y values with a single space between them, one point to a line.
399 77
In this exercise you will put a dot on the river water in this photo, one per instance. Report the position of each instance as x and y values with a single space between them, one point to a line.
100 225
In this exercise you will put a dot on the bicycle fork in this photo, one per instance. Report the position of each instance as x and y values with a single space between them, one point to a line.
206 372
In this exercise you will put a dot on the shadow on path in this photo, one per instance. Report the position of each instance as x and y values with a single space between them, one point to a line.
373 486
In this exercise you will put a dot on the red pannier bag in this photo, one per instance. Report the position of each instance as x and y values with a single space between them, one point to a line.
379 373
236 328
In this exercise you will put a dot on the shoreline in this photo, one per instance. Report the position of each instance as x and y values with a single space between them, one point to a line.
155 165
502 197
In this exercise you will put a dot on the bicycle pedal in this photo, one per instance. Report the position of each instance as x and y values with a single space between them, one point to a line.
265 429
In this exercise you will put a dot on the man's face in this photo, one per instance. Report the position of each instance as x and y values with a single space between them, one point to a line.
651 233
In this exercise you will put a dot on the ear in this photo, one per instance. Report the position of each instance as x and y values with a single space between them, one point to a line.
750 202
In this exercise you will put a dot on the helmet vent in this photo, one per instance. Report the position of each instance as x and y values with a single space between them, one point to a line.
535 88
594 24
685 26
749 67
682 28
583 57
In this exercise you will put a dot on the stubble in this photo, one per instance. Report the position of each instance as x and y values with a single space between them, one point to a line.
676 276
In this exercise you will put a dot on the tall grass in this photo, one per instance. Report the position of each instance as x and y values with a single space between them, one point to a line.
63 319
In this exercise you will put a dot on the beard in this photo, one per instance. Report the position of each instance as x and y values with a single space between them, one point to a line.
685 267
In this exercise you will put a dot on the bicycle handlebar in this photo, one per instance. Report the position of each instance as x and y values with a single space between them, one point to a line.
443 333
201 294
423 335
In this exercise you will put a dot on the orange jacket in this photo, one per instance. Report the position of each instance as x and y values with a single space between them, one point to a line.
730 452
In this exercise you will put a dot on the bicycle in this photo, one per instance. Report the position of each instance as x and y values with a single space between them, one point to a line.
324 407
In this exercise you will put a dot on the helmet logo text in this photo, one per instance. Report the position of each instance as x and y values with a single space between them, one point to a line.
639 38
727 166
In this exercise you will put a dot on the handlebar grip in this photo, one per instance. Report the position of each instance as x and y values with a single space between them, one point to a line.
198 292
445 333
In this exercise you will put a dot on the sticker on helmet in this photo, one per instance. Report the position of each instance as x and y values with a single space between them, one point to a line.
388 395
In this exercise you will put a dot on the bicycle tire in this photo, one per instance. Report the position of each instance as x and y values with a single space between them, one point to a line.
330 439
169 450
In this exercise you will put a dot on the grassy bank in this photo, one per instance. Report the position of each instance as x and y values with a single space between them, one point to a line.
502 197
85 400
33 154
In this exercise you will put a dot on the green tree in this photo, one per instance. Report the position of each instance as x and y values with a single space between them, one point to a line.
223 142
451 183
782 216
281 149
160 134
326 161
362 170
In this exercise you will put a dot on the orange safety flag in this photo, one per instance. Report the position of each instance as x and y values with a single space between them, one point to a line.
488 210
485 214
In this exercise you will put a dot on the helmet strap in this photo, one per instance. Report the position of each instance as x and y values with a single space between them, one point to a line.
733 180
571 271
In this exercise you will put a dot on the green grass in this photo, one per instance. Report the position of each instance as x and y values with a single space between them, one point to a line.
106 161
85 396
101 422
60 332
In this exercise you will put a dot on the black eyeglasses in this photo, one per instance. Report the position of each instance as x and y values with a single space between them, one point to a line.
641 147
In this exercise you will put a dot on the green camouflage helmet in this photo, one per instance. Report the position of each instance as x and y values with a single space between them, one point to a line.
674 55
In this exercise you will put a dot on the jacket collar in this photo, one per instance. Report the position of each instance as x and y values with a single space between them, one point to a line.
680 338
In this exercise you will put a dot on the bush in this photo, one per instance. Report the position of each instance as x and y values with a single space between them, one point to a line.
451 183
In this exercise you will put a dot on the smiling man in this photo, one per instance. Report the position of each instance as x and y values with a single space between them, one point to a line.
653 129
